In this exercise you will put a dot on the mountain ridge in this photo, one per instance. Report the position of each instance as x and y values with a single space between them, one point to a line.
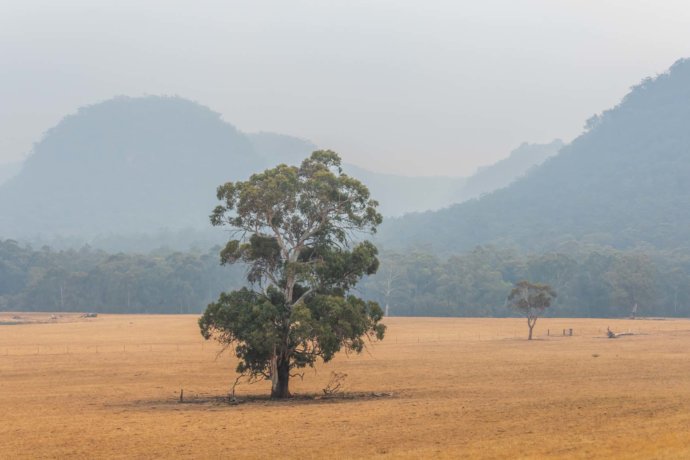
621 183
150 165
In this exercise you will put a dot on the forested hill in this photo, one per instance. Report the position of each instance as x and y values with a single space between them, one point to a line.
399 194
504 172
133 173
129 168
125 165
9 170
623 183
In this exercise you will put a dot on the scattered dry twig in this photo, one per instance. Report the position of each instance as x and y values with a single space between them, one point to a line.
335 383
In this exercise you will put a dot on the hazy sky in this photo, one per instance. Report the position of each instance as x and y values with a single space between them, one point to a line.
412 87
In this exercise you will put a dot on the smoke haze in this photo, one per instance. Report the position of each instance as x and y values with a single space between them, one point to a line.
395 86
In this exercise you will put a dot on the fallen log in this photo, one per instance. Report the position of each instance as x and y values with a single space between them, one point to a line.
615 335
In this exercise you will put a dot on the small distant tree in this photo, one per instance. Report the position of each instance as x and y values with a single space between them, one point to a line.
531 300
293 229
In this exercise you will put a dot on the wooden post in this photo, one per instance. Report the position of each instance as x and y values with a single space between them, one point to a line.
181 395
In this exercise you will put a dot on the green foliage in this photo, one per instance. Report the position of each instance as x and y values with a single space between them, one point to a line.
530 300
319 327
295 227
249 319
93 280
590 281
631 281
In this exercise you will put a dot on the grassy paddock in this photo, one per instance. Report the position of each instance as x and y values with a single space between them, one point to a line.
109 387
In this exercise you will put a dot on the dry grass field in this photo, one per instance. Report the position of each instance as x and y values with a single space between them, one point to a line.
461 388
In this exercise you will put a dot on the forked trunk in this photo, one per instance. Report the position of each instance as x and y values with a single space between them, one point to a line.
530 323
280 380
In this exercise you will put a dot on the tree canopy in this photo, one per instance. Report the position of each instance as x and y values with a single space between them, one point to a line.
531 300
294 229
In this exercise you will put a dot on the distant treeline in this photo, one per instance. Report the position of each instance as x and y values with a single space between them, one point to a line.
590 281
93 280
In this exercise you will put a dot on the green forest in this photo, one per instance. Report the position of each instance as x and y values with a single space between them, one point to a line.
93 280
590 281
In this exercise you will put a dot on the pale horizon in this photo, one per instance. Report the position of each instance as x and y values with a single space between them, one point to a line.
399 87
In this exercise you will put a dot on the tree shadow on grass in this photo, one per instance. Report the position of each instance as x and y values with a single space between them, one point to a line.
217 401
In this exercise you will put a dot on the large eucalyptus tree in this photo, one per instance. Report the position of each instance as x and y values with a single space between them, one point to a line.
295 228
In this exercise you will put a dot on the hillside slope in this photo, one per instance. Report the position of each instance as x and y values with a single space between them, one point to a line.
504 172
399 195
623 183
9 170
127 164
144 167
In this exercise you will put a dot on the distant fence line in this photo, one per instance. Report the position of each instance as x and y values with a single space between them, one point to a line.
391 340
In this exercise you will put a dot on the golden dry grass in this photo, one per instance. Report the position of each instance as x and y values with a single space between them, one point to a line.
108 387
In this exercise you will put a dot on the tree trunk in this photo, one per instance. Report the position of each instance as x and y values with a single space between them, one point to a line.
530 323
280 388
